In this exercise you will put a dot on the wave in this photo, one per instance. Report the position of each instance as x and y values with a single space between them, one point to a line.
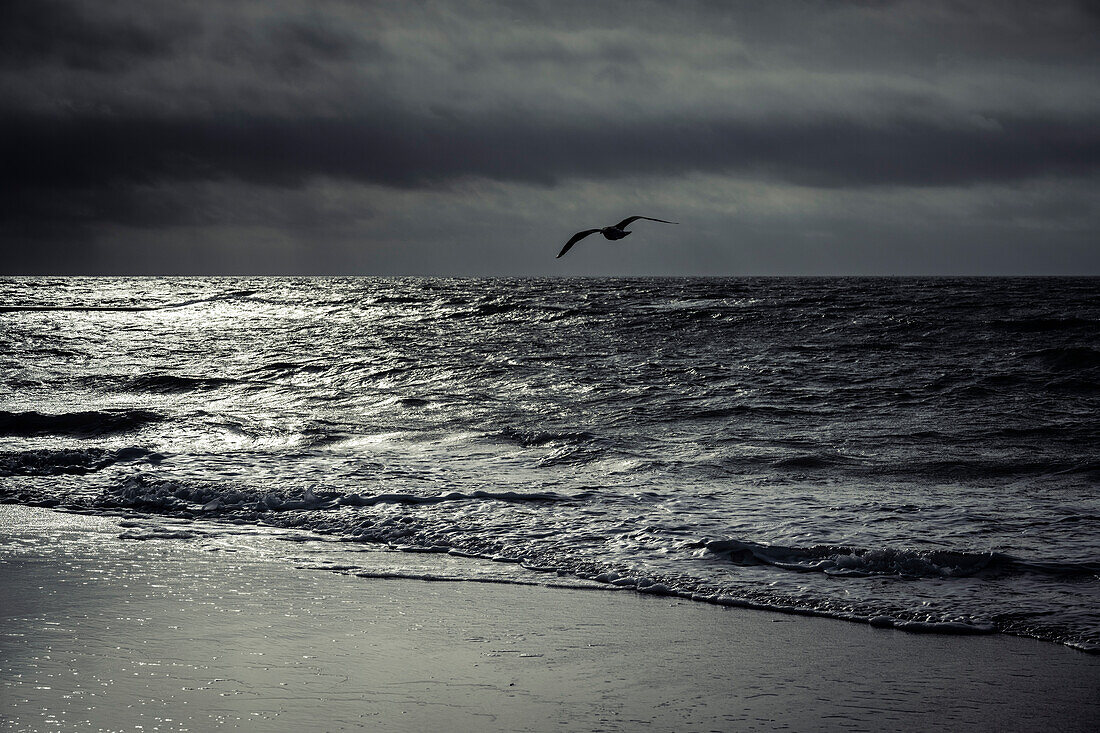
171 383
810 461
1062 430
124 308
611 581
931 468
401 532
570 455
47 462
1091 468
863 562
156 382
1067 358
79 308
740 410
1044 324
1066 364
486 309
508 496
954 469
159 533
290 367
1074 386
535 438
948 469
88 423
143 492
212 500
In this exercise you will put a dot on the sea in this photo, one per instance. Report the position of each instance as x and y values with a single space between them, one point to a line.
915 453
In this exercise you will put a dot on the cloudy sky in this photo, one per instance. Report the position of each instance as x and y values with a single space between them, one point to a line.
418 137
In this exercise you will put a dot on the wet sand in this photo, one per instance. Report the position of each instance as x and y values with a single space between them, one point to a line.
170 636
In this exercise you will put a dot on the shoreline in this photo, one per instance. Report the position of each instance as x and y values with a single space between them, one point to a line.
102 632
539 576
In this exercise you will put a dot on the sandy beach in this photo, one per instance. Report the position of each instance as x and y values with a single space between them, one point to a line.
102 633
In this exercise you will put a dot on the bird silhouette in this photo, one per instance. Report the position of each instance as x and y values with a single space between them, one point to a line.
612 233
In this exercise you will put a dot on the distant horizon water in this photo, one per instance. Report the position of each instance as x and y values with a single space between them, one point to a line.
564 276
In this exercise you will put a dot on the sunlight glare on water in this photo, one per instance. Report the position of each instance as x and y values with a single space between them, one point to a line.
918 450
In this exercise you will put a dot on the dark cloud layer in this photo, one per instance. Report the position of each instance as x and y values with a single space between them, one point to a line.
83 36
407 150
115 117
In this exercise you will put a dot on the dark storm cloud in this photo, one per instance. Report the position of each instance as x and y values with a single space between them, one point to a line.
117 37
290 47
429 150
113 114
83 36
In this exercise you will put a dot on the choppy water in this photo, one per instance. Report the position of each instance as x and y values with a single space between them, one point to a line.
923 453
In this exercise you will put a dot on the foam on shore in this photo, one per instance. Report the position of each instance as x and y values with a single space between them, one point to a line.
175 634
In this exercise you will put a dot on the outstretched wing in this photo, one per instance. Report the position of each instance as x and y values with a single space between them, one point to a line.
576 238
628 220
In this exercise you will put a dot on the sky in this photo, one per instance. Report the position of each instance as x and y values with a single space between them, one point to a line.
411 137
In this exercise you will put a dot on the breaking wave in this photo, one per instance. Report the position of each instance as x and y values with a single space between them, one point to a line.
168 495
862 562
46 462
87 424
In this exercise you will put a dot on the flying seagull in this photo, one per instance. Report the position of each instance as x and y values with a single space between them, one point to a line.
616 232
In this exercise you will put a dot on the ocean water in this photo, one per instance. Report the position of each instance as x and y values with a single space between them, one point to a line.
915 453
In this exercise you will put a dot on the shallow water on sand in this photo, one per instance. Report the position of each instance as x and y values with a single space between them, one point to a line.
915 452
